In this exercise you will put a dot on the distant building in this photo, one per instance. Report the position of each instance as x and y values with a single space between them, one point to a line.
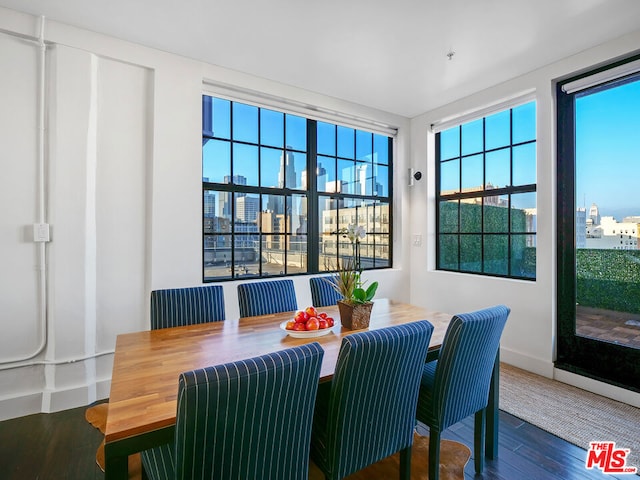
581 227
611 234
594 214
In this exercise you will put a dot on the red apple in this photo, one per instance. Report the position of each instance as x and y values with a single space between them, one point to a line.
313 324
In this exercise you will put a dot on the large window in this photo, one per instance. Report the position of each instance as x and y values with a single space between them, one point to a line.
280 189
486 195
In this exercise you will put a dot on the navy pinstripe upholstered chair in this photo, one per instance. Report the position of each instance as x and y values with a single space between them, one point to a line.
457 384
244 420
176 307
367 411
264 298
322 293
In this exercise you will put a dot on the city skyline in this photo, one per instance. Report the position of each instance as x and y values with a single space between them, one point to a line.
608 150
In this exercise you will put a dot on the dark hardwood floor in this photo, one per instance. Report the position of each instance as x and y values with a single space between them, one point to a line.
62 446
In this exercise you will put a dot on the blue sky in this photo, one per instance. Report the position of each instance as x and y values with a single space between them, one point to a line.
608 150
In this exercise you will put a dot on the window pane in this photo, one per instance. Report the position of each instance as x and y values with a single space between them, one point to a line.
497 130
524 123
381 251
273 254
326 180
346 137
327 215
471 216
224 210
450 143
449 216
297 254
245 164
297 224
216 161
523 212
221 118
246 213
326 138
524 164
217 212
296 133
448 253
472 137
496 218
498 170
472 171
496 254
271 128
471 253
380 149
450 177
523 256
246 256
270 159
273 208
217 256
381 180
347 175
296 164
245 123
364 145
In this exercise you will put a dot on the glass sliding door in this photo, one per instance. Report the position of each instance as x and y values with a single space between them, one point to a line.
598 222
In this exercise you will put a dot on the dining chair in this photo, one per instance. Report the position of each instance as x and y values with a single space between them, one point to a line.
367 411
249 419
176 307
264 298
322 291
456 385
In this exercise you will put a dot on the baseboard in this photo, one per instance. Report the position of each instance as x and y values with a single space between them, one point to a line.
15 407
531 364
595 386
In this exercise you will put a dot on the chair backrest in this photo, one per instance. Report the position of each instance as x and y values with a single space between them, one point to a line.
373 396
248 419
176 307
322 291
465 364
264 298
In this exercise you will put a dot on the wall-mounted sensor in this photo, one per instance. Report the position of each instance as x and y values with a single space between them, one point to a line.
413 175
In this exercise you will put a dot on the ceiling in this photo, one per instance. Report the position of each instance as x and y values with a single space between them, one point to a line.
390 55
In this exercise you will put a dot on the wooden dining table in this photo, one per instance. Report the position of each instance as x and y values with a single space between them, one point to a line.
144 382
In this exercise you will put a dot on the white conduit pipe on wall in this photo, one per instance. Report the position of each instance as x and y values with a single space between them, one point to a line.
42 258
11 363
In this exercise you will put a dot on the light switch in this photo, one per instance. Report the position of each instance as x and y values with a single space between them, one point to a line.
40 232
417 239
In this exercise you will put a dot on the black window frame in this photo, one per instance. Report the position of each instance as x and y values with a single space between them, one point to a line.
313 227
483 194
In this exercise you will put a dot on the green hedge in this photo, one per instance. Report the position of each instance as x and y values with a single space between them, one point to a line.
608 279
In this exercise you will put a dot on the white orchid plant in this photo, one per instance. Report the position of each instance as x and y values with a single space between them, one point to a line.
348 281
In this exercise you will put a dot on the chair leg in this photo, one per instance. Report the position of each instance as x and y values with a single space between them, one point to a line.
479 439
434 454
405 463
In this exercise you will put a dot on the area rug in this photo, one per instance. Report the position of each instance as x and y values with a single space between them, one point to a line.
453 457
570 413
97 416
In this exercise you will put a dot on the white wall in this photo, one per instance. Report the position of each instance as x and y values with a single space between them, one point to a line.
529 337
123 197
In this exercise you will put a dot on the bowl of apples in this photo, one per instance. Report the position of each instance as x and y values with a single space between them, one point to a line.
308 323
